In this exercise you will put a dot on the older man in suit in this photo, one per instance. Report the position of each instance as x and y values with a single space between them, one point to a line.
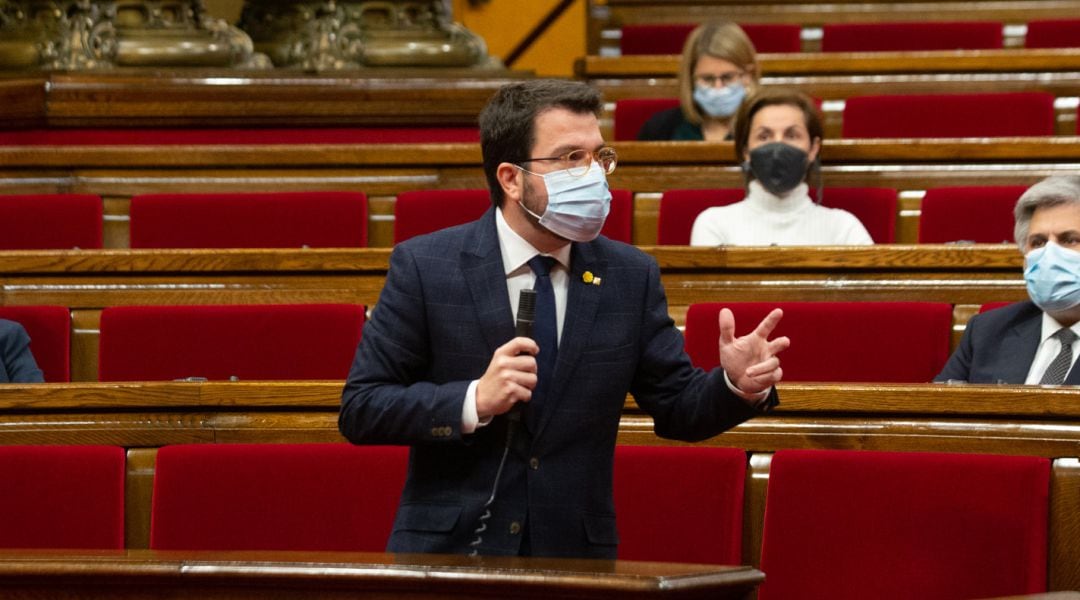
513 439
1032 342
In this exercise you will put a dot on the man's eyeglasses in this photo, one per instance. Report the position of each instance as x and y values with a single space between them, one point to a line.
577 162
724 79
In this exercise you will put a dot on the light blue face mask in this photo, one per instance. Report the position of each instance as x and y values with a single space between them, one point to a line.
577 206
1052 274
720 102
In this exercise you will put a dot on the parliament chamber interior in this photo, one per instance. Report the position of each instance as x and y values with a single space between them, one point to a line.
194 250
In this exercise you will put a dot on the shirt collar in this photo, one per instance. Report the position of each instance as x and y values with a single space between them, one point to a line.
1050 327
797 199
516 252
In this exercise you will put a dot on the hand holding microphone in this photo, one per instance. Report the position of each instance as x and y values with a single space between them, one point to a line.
511 374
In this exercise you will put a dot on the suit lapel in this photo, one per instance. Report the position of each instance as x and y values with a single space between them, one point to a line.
482 267
1023 340
582 302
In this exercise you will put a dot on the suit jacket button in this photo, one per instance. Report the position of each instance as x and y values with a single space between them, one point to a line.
534 463
515 528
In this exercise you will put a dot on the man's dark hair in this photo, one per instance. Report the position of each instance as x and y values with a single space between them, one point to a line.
507 123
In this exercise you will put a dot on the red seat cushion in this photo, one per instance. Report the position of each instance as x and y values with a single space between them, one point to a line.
49 328
62 497
1053 33
949 115
239 136
249 220
620 220
680 504
850 524
50 221
910 36
314 497
631 113
898 342
679 208
258 341
670 38
980 214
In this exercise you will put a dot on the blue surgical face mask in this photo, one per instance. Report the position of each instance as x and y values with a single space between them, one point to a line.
720 102
577 206
1052 274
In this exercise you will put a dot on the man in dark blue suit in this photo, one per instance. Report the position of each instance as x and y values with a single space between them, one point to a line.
439 366
1020 343
17 364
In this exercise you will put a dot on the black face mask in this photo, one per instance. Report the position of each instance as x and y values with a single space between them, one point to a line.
778 166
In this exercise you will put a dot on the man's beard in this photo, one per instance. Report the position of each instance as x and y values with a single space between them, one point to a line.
531 201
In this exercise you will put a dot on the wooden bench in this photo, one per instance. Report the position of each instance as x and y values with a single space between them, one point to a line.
1016 420
606 17
382 171
88 281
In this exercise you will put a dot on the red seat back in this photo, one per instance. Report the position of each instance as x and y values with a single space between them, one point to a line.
620 220
680 207
258 341
631 113
949 115
312 497
898 342
874 207
422 211
62 497
670 38
250 220
981 214
1053 33
680 504
49 328
851 524
50 221
910 36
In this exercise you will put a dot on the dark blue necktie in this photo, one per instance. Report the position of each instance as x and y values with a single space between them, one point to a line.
546 334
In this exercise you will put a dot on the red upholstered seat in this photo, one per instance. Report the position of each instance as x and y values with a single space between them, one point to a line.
669 39
898 342
257 341
680 504
62 497
249 220
909 36
949 115
680 207
423 211
1053 33
631 113
238 136
314 497
981 214
49 328
849 524
50 221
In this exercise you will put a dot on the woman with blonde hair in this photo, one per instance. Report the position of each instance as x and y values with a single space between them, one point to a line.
718 70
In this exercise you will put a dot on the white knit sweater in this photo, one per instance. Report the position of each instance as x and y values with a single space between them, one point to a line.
762 219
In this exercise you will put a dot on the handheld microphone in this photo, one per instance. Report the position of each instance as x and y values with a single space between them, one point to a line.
523 327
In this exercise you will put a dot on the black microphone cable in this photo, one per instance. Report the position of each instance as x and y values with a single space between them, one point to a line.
523 327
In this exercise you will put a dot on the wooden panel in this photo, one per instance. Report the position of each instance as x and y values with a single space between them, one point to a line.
339 575
1064 524
138 495
757 488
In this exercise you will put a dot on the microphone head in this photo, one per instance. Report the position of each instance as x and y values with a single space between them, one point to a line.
526 313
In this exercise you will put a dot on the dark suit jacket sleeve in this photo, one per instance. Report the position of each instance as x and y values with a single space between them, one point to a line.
958 368
388 398
661 126
685 402
18 363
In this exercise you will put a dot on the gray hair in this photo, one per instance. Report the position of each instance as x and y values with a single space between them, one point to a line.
1052 191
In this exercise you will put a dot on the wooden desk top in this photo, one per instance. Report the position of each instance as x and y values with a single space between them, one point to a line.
288 575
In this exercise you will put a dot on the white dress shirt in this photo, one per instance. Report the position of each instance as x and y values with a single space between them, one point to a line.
1049 347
